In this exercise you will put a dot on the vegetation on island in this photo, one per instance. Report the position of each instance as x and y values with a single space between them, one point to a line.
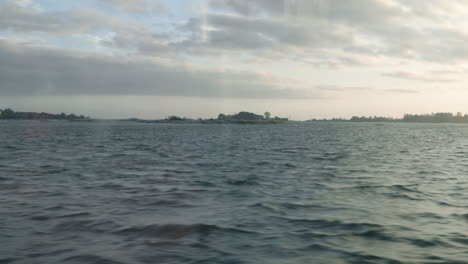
243 117
408 118
246 117
239 118
12 115
175 118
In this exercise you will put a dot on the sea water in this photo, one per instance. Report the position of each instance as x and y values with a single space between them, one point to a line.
122 192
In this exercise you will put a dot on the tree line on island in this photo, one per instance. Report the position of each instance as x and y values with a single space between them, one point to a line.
12 115
408 118
239 118
250 116
243 118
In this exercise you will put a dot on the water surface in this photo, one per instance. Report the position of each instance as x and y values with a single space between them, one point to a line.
110 192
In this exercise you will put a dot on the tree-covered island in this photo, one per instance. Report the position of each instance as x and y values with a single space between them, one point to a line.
8 114
244 117
239 118
407 118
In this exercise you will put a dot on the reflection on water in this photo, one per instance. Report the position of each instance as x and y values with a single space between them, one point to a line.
109 192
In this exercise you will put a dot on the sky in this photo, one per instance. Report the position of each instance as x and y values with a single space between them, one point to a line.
300 59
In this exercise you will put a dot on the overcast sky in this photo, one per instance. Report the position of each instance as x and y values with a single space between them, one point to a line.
296 58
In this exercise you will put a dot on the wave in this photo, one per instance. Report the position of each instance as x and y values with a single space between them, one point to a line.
424 243
10 147
267 207
40 218
296 206
177 231
351 256
403 196
331 224
459 238
7 260
78 214
330 156
148 201
90 259
309 194
246 181
93 226
376 235
462 216
49 253
404 188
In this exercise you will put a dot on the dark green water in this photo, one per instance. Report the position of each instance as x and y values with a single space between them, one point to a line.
109 192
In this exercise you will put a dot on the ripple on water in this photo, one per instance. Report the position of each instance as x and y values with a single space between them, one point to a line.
91 226
90 259
122 192
177 231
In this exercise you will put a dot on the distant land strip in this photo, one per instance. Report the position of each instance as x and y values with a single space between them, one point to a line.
407 118
239 118
242 118
9 114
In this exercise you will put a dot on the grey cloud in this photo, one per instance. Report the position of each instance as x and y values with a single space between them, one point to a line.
436 10
451 72
319 32
18 18
402 91
251 7
439 45
392 25
445 44
144 42
134 6
232 33
417 77
277 31
330 60
356 12
341 88
307 23
23 19
39 71
239 32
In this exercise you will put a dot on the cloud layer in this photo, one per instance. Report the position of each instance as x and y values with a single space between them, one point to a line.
229 48
61 72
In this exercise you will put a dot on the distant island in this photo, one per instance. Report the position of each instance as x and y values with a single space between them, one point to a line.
9 114
243 117
408 118
239 118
